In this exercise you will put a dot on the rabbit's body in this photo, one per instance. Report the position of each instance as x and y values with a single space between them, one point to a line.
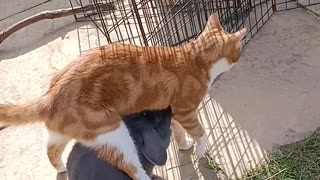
151 133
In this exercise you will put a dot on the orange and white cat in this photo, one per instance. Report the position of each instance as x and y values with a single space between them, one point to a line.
86 100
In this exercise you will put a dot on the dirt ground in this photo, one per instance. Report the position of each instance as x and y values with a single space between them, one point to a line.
271 97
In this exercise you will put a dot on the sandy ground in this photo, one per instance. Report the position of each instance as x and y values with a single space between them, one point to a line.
271 97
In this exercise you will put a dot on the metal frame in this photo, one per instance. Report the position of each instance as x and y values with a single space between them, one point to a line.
159 22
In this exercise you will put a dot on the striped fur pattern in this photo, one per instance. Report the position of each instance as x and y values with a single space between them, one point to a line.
86 100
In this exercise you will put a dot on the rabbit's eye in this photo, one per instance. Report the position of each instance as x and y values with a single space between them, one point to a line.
156 129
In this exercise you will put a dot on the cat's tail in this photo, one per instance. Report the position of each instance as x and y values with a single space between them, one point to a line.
13 115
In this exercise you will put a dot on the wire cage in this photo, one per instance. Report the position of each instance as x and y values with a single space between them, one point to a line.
170 22
173 22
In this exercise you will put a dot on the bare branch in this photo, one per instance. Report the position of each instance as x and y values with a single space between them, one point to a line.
51 15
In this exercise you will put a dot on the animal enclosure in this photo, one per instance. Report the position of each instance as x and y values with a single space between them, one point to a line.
271 96
172 23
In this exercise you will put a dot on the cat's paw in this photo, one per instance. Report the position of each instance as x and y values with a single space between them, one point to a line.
201 145
186 144
61 169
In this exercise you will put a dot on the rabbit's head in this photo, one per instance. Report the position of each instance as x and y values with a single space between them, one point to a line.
151 132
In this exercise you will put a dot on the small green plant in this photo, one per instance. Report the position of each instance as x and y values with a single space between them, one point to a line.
212 163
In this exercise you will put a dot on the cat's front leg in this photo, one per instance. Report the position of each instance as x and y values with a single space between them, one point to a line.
190 122
201 145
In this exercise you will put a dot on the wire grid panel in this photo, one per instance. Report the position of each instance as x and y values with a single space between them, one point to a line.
174 22
116 25
186 19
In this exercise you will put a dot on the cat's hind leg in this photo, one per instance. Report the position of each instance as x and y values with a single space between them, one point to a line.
117 148
56 144
179 135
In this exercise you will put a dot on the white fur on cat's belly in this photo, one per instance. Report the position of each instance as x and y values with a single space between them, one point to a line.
55 138
121 139
222 65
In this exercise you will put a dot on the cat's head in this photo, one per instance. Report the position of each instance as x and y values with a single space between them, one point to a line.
220 44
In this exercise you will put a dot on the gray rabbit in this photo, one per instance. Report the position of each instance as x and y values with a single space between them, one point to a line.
151 132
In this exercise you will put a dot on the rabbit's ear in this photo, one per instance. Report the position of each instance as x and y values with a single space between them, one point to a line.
153 148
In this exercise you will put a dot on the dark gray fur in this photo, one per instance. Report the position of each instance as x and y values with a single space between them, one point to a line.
150 131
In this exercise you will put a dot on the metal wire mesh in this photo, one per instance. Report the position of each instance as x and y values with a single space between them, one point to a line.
173 22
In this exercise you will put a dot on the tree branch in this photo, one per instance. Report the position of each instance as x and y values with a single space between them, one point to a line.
51 15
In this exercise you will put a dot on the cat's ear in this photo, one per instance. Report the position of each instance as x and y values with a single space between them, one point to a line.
240 34
213 21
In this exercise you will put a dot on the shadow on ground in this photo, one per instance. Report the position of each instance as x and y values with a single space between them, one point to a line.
270 98
43 39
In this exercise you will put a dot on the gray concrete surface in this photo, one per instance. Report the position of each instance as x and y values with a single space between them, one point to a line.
271 97
28 59
35 32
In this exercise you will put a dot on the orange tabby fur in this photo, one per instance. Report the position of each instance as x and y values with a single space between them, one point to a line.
89 96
